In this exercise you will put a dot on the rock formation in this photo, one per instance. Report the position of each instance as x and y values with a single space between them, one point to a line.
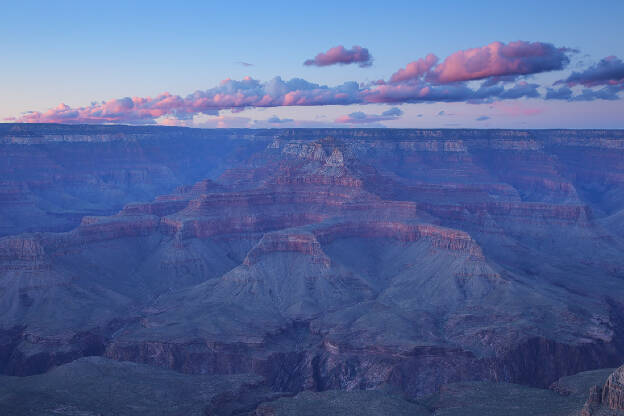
613 390
317 259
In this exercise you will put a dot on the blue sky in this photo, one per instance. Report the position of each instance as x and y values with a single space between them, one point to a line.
80 52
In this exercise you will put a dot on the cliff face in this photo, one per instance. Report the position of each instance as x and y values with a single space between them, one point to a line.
318 259
613 390
52 176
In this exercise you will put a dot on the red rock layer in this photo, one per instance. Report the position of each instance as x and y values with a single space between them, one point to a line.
304 243
519 212
110 228
439 237
205 228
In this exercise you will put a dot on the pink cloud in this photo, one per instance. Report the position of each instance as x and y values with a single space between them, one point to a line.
340 55
424 80
494 60
246 93
416 69
229 94
499 59
123 110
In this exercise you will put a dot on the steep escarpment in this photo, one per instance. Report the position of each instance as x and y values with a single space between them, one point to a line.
26 253
287 242
54 175
613 391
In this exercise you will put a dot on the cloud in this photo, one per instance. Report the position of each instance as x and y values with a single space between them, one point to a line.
340 55
360 117
226 122
422 92
135 110
247 93
497 59
172 121
609 72
482 118
415 70
443 113
393 112
422 81
499 79
563 93
587 94
230 94
519 90
246 64
277 120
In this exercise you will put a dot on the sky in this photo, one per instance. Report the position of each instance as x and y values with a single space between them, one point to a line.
490 64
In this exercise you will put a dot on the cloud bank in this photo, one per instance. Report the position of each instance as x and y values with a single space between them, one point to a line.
487 74
230 94
247 93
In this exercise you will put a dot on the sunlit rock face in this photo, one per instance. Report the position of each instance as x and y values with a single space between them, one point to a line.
317 259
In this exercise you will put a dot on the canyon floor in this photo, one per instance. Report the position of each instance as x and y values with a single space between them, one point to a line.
291 271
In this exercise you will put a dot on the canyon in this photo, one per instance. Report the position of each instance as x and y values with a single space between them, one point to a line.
296 265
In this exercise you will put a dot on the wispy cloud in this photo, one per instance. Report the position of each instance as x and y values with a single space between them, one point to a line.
360 117
277 120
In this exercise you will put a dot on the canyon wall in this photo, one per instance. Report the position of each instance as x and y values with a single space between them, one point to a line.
315 258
